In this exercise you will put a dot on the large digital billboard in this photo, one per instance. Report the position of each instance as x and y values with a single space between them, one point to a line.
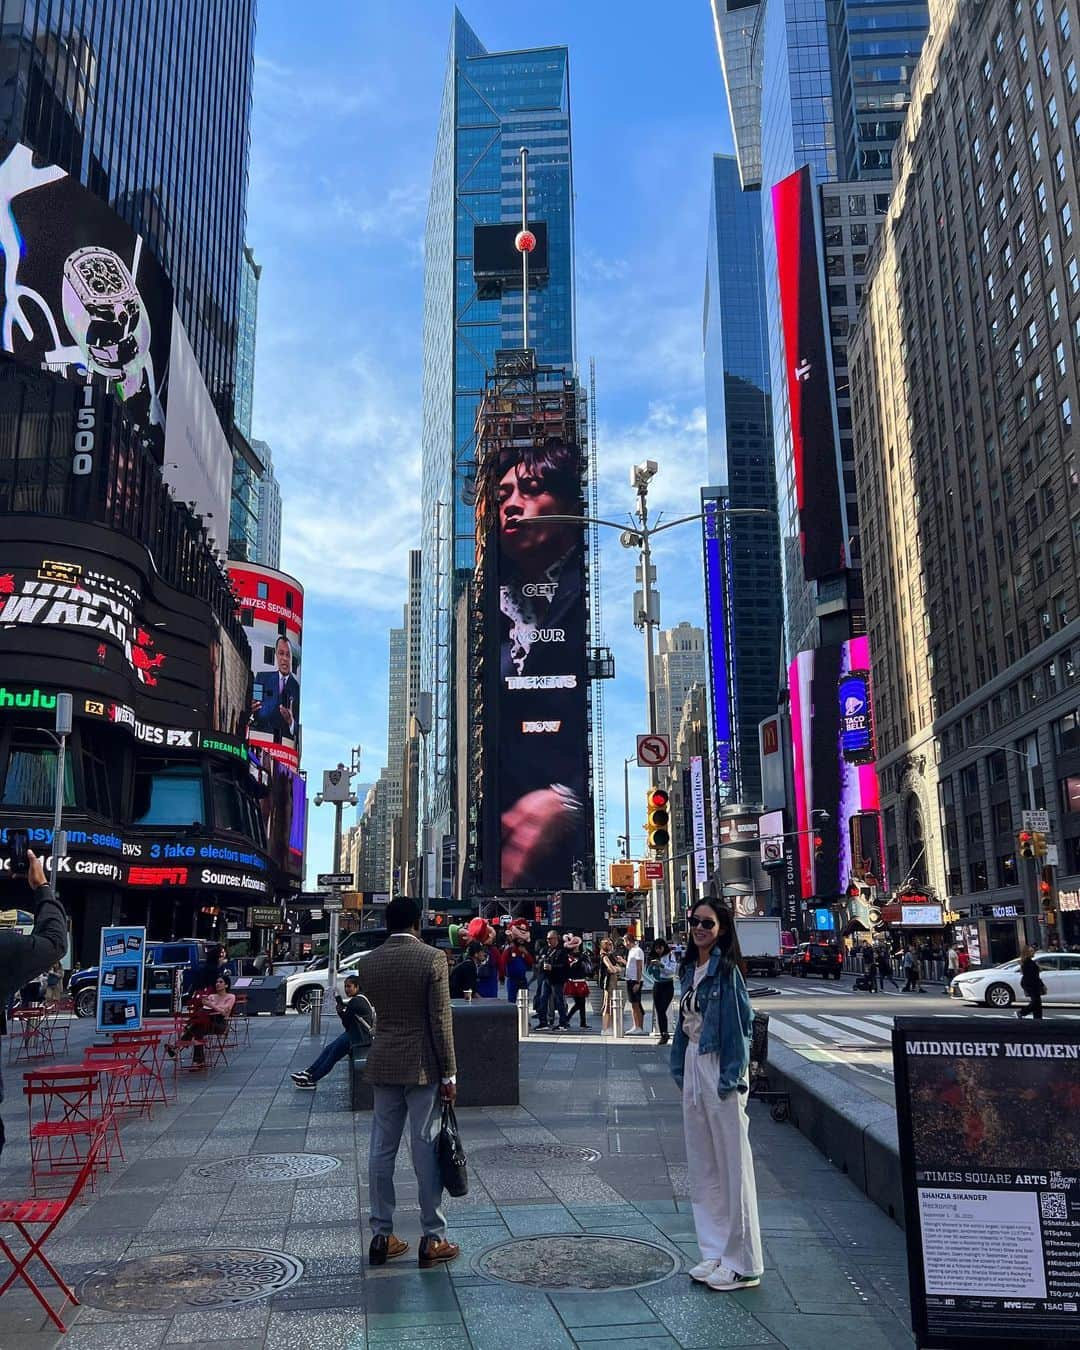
272 611
827 777
537 806
815 435
719 617
85 606
83 296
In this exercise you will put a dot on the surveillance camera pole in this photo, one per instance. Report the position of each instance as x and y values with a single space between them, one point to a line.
640 476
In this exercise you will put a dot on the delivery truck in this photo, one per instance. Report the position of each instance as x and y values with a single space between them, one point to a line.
759 939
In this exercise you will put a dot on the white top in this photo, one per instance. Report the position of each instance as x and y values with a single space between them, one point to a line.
635 963
691 1018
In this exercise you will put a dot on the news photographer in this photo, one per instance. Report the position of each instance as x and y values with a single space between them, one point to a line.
22 956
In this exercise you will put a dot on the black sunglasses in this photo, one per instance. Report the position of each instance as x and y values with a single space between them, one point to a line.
707 924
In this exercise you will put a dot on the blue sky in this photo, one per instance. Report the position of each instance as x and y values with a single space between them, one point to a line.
346 106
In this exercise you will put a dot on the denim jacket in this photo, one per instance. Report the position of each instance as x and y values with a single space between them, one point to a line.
727 1021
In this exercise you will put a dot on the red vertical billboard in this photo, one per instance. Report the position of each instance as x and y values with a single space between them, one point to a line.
272 611
815 437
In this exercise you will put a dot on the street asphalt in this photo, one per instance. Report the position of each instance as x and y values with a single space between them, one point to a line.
237 1219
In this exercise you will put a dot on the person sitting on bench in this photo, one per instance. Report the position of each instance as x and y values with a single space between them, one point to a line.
357 1017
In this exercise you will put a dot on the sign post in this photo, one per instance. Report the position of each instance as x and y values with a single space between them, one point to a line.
990 1169
121 969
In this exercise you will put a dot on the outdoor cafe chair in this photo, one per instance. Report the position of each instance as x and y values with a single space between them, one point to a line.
70 1102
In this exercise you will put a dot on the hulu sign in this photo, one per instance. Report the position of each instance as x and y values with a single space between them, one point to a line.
26 698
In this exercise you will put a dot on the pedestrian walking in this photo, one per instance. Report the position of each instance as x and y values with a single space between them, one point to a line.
26 954
577 978
710 1059
952 962
869 965
412 1069
885 967
611 968
661 969
910 965
1031 983
556 964
635 982
358 1020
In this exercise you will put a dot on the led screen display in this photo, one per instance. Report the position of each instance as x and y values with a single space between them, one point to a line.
272 611
532 608
718 616
856 725
825 779
496 259
814 433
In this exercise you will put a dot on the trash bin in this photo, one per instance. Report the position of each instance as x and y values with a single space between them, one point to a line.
265 993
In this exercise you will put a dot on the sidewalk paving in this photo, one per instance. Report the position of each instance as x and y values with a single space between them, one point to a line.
836 1266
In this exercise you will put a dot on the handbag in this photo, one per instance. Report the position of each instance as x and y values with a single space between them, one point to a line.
453 1165
577 988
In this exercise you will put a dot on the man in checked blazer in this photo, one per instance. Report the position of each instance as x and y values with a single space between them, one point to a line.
412 1070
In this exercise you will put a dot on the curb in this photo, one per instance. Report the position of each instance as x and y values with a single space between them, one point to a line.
854 1130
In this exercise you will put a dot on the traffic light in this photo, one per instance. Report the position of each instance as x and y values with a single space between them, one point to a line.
1026 840
819 844
853 890
1038 843
657 819
1046 888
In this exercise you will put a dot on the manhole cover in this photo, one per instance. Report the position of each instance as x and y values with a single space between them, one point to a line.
532 1155
577 1261
209 1278
269 1167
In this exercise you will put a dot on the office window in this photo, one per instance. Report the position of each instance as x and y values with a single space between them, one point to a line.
1063 24
1052 112
1070 793
1067 734
30 776
1006 869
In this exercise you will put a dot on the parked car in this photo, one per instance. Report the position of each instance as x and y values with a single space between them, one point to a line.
300 988
999 986
818 958
162 958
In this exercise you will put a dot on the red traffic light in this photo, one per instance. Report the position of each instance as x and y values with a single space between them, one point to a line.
1025 836
1044 887
658 797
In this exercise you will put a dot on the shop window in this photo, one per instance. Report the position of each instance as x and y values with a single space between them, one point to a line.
169 794
30 777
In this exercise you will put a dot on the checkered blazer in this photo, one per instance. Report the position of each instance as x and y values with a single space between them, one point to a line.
408 982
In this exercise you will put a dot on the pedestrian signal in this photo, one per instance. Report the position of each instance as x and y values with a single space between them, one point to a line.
658 818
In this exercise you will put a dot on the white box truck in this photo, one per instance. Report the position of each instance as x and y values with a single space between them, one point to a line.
759 939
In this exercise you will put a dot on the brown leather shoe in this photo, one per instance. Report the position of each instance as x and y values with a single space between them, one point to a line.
436 1251
384 1249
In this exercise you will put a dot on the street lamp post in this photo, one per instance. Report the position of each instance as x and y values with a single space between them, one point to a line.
339 798
639 535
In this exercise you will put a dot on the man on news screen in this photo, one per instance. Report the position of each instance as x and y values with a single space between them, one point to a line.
277 707
542 727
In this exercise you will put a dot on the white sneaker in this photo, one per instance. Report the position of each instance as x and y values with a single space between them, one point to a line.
702 1270
723 1278
635 1031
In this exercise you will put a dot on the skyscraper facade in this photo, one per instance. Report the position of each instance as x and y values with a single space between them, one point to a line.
965 393
268 536
247 317
743 606
95 87
679 664
494 103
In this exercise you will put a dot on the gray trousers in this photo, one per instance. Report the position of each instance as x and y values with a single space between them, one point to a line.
392 1105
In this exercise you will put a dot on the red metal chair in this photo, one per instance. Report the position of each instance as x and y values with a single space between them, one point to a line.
146 1047
28 1033
22 1215
70 1100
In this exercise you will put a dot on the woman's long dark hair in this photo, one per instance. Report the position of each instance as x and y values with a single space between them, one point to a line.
727 942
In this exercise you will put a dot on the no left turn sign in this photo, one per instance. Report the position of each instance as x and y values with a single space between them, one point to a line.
653 751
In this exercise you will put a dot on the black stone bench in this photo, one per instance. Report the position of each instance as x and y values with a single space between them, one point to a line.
486 1047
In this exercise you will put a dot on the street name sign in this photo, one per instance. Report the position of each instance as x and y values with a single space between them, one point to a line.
1037 821
337 879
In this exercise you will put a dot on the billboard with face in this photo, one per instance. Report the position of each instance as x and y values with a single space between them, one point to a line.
284 810
815 435
83 295
823 684
272 611
537 803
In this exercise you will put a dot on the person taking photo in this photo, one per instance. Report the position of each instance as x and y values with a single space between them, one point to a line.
710 1060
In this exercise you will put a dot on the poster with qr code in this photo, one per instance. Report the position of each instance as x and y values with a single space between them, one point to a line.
988 1117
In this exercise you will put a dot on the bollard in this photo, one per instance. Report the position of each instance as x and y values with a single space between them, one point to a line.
617 1014
316 1012
523 1013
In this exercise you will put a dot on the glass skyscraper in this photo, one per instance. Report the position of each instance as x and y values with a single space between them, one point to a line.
247 317
493 104
147 103
824 84
742 554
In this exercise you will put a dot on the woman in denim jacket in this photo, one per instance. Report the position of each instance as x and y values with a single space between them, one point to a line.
710 1056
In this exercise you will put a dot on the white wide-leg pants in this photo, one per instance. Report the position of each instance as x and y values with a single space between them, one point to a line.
721 1167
